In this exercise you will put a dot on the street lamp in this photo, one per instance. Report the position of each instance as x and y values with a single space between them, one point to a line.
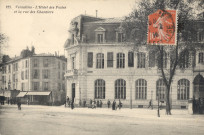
158 96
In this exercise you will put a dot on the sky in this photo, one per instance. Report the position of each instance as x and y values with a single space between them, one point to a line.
48 32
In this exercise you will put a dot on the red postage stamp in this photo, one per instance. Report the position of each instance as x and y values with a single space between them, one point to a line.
162 28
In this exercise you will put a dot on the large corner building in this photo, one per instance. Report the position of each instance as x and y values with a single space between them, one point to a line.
102 65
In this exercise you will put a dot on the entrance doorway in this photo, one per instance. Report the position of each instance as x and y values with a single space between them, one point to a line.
73 91
198 94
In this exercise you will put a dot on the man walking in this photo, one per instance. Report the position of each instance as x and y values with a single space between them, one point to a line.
150 104
108 103
19 104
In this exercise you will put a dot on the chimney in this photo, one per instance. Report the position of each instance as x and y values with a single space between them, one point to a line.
96 13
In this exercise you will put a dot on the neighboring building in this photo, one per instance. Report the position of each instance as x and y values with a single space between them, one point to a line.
102 65
37 73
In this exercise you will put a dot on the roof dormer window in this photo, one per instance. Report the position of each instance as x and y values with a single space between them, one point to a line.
100 35
120 34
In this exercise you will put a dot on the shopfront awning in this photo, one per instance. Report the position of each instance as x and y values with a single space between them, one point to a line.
39 93
21 94
7 94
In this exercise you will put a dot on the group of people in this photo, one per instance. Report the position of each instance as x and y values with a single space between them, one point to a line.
69 103
114 105
93 104
198 105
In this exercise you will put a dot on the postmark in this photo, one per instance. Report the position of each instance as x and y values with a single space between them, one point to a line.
162 28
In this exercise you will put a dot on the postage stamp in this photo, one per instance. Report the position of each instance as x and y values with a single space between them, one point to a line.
162 28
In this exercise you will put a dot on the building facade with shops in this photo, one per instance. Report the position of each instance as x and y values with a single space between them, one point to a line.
36 74
102 65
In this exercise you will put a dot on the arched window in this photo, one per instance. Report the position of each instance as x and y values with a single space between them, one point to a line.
141 89
120 60
100 60
161 88
183 89
100 89
120 89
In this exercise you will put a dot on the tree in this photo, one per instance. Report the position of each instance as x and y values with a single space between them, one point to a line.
26 52
5 58
136 29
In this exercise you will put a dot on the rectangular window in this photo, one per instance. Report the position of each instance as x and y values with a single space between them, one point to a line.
201 58
141 60
46 62
58 65
36 74
63 66
120 37
100 60
26 74
63 78
110 59
90 59
72 38
35 63
99 38
36 86
130 59
73 62
22 75
120 60
46 86
26 63
46 73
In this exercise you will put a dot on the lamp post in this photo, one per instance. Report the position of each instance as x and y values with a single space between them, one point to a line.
130 81
158 113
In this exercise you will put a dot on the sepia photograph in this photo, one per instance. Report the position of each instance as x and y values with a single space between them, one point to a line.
102 67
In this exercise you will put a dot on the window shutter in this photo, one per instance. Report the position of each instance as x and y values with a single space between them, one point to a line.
90 59
130 59
110 59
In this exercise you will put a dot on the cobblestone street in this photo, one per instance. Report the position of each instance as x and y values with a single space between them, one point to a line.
49 120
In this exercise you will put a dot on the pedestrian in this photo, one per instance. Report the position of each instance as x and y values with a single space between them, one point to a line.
19 104
108 103
94 104
97 103
113 105
8 101
120 104
90 103
67 101
150 104
28 101
100 104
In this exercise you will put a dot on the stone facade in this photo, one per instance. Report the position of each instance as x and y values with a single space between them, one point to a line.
102 65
